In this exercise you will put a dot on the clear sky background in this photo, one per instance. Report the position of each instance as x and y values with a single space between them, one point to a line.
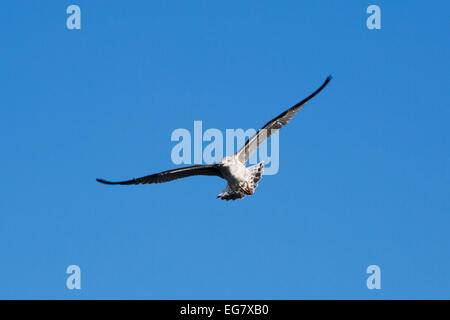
364 167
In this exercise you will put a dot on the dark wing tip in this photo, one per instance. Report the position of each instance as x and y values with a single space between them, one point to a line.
328 79
312 95
105 182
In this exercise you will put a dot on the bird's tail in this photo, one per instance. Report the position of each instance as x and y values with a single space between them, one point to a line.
246 187
256 171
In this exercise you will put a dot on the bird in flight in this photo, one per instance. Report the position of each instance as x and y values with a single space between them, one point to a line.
241 180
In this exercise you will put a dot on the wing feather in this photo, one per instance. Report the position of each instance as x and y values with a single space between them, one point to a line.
166 176
273 126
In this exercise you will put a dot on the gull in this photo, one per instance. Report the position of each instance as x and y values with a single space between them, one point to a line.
241 180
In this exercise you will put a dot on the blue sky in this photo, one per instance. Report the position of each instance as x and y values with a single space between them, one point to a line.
364 168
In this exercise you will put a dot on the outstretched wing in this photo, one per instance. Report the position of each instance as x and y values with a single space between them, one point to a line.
273 126
166 176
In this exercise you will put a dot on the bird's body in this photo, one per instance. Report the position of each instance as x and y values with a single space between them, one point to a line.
241 180
233 170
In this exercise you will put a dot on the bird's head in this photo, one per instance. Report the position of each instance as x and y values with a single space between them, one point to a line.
228 160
